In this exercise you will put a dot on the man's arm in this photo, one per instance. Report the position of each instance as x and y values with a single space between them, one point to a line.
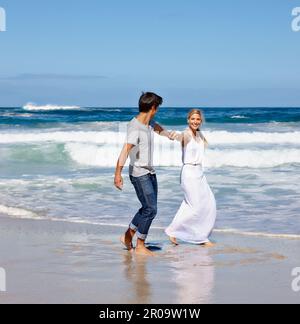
120 165
162 132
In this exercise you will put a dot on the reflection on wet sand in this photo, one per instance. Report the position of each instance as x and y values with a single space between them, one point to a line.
190 276
193 274
136 273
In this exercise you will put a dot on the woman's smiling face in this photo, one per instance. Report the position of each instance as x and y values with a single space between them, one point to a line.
194 122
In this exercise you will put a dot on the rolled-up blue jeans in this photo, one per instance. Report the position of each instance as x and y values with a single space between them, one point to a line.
146 190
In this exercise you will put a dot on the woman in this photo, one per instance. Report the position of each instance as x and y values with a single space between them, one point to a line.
196 217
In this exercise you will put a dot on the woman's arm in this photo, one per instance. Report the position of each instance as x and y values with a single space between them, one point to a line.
183 137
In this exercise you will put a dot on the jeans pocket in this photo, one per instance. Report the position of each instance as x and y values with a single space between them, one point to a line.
146 185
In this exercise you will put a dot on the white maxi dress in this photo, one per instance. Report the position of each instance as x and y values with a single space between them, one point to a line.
196 217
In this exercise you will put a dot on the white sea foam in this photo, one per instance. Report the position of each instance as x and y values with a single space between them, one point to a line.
106 156
24 115
225 137
92 155
33 107
101 149
238 117
109 137
110 110
18 212
63 137
252 158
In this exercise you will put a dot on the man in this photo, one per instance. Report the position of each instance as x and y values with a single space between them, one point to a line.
139 145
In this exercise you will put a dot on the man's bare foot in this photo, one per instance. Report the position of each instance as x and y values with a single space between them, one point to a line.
173 240
208 245
144 251
126 242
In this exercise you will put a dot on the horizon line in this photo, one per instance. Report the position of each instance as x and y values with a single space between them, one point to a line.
164 107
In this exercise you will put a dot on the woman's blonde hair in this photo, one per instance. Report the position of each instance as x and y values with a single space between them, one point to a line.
201 114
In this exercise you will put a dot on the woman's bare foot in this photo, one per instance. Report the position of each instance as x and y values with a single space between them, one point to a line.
142 250
208 245
127 242
173 240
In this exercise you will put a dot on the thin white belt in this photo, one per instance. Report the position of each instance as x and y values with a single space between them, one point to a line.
192 164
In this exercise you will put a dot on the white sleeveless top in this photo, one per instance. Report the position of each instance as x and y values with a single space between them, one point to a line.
193 152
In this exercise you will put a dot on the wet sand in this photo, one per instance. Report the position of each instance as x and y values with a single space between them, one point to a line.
60 262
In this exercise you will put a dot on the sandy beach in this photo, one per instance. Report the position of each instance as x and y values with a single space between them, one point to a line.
63 262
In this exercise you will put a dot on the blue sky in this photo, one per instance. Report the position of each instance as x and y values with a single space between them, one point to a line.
192 52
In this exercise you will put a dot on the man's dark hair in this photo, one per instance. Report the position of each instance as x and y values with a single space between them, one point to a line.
148 100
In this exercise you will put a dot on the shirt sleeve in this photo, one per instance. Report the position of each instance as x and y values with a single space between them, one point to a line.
132 136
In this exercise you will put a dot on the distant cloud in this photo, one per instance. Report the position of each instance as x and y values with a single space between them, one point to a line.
52 76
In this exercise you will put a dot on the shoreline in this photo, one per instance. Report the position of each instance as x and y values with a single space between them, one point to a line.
228 231
62 262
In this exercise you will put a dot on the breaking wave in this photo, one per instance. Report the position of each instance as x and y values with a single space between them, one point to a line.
33 107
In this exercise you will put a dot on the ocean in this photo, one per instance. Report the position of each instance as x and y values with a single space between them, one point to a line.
57 162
